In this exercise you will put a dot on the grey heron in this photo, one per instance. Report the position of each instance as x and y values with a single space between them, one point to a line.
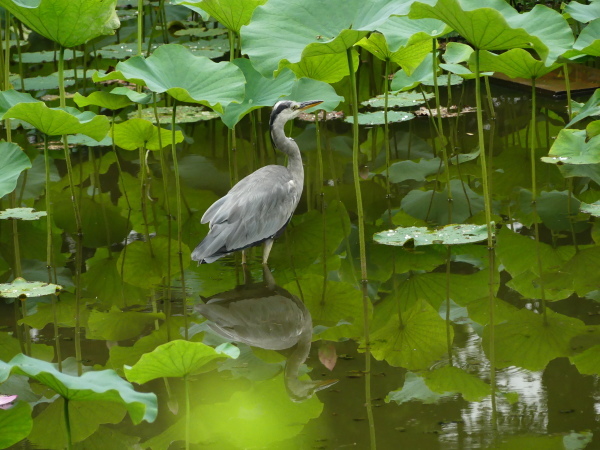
258 208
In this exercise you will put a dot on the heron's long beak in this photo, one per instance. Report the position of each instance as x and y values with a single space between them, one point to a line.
309 104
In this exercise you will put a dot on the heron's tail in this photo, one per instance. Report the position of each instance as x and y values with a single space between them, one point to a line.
212 246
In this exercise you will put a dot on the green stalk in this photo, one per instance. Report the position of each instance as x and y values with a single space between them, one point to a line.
532 141
320 161
67 423
361 240
186 382
568 87
488 218
143 198
179 215
448 337
386 134
140 27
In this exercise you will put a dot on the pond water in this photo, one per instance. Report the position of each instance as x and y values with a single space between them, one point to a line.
429 372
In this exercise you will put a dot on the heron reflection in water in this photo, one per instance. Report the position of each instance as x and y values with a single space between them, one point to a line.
258 208
267 316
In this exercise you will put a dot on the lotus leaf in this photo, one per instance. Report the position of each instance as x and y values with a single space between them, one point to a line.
378 118
408 57
328 68
117 325
231 13
399 99
571 147
67 22
213 48
140 133
593 209
590 108
45 56
13 161
457 53
495 25
588 361
415 389
415 341
581 268
452 379
184 114
20 287
10 347
529 342
205 82
15 423
583 13
516 63
178 358
260 91
102 99
588 41
448 235
134 96
401 31
145 267
310 28
51 121
412 170
103 385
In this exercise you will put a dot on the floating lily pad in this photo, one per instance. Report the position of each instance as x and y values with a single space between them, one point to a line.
45 56
39 83
448 235
593 208
398 99
22 214
20 287
185 114
377 117
201 32
213 48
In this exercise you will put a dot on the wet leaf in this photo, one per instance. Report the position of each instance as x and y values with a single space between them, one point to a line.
140 133
67 22
453 379
116 325
211 84
401 31
407 57
448 235
178 358
15 423
495 25
20 286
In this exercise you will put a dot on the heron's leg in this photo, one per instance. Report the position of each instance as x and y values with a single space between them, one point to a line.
267 250
244 257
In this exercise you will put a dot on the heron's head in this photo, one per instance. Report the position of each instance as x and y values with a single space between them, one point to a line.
286 110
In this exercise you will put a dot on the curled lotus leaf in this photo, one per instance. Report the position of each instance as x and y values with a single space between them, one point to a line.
306 28
516 63
20 287
211 84
448 235
21 214
67 22
495 25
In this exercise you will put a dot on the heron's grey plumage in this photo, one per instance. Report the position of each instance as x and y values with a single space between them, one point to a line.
259 206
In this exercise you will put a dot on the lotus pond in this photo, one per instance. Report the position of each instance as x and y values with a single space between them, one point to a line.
437 287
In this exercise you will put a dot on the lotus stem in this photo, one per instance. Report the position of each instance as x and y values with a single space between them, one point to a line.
179 215
320 180
186 382
448 336
488 219
568 88
386 135
67 423
140 27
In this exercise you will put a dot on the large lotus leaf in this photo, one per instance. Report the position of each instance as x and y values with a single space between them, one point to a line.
260 91
116 325
571 147
583 13
13 161
15 423
448 235
415 341
262 414
527 341
231 13
516 63
433 206
588 361
203 81
51 121
588 41
306 89
84 419
140 133
405 81
331 303
590 108
128 356
398 100
328 68
145 266
45 314
452 379
291 30
103 99
415 389
20 287
408 57
495 25
67 22
401 31
457 53
178 358
104 385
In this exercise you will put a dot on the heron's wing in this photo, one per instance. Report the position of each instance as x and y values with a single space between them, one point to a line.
255 209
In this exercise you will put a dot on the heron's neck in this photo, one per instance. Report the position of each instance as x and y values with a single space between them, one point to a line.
290 148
